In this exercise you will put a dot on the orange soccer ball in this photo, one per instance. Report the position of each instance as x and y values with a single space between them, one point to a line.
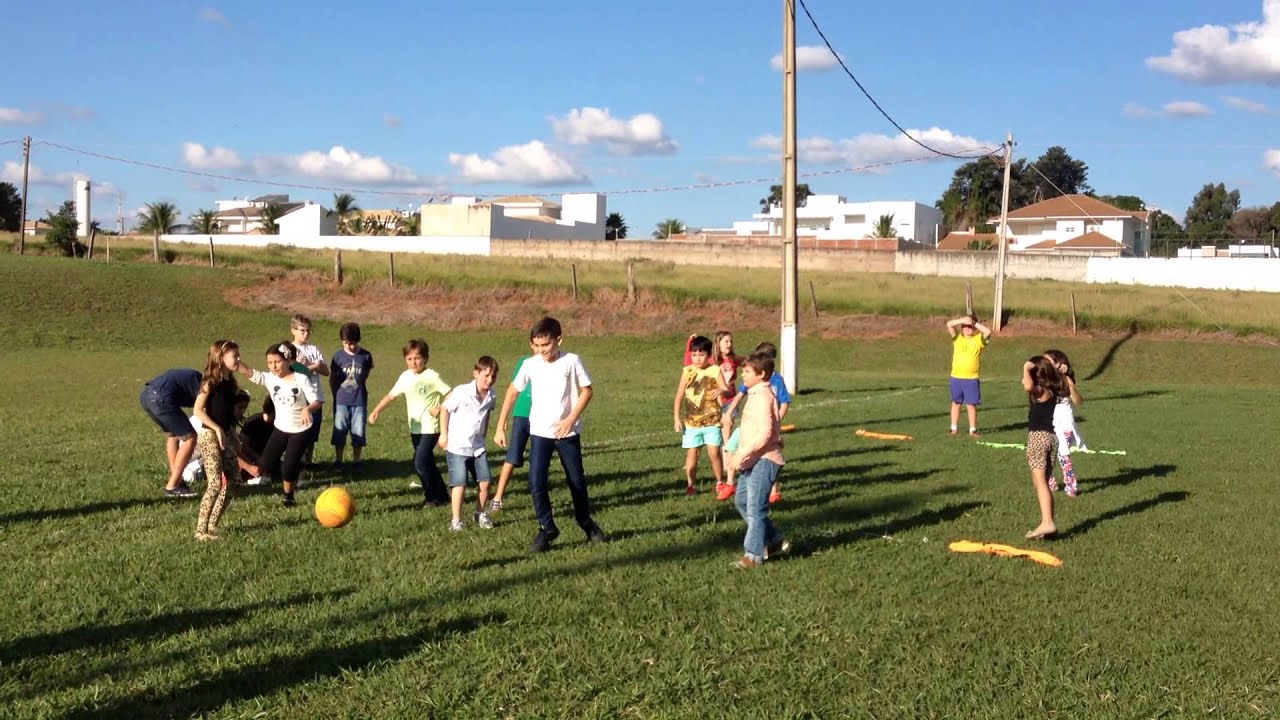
335 507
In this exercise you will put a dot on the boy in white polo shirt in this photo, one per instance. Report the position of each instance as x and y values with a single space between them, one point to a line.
464 423
561 391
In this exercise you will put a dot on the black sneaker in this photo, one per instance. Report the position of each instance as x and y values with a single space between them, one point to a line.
181 490
543 539
432 503
287 500
596 536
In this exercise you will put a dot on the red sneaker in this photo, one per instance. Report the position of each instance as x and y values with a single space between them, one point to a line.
690 490
724 491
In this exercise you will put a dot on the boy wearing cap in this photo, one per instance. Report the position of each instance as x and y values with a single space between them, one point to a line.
968 340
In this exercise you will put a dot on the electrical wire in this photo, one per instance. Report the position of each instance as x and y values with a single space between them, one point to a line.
873 101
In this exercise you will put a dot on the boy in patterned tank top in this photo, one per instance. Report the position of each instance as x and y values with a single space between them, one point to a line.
697 412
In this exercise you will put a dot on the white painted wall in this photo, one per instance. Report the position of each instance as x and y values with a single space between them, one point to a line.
1205 273
831 217
308 220
462 219
452 245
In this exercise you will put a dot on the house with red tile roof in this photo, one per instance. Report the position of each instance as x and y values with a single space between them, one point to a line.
1078 225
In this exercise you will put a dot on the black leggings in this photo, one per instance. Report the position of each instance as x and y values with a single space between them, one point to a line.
291 446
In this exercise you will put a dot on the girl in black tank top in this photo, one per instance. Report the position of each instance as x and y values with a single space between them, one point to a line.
1043 384
218 442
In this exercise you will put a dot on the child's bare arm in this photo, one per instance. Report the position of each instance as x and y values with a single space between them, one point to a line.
1027 383
444 427
782 410
565 426
508 401
986 331
1076 399
382 405
675 409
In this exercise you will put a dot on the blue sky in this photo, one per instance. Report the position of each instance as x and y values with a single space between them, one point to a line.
1158 96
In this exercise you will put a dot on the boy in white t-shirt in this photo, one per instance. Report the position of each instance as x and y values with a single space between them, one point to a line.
561 391
464 423
312 365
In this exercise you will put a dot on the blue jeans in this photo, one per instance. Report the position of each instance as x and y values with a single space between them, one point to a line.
570 451
424 463
752 499
348 419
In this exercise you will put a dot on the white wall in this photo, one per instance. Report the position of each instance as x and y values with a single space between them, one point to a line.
308 220
1205 273
830 217
439 245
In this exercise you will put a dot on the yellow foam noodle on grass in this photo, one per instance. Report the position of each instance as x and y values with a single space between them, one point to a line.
969 546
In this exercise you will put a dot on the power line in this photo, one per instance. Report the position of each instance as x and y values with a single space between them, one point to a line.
847 71
10 142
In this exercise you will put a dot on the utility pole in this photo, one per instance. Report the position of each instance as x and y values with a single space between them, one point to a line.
119 213
26 168
997 321
790 255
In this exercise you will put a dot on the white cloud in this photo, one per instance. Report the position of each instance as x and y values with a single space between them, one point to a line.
202 185
213 17
14 116
1218 54
1186 108
1137 110
641 134
340 164
12 173
533 163
198 157
1252 106
1271 161
874 148
392 121
809 57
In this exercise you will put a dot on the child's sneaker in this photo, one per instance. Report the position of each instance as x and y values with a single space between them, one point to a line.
690 490
775 496
724 491
287 500
746 563
337 466
263 480
777 549
181 490
358 467
482 519
975 434
415 484
495 505
543 539
455 526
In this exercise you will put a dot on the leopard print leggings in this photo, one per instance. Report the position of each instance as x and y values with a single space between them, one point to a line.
1041 448
217 489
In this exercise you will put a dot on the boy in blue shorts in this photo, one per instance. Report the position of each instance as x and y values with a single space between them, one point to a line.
967 344
697 413
464 423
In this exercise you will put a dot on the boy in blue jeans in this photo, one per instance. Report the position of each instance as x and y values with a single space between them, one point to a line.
348 375
561 391
758 460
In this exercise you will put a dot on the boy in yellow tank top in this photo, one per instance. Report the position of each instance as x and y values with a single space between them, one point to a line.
968 340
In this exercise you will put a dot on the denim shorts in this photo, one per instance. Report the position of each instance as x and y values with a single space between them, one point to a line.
966 391
349 420
462 466
696 437
518 441
171 419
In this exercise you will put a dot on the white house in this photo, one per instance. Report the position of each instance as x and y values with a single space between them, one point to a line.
1080 224
243 217
831 217
579 216
308 220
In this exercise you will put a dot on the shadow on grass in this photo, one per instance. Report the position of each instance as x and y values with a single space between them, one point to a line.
98 636
1132 475
810 545
279 672
1130 509
1110 357
90 509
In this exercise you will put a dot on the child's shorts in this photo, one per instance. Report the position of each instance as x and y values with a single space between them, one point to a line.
1041 446
462 466
348 420
518 441
966 391
732 445
696 437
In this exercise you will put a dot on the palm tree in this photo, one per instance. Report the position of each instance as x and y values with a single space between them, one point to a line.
667 228
268 217
410 224
344 204
615 228
158 219
883 228
775 196
356 226
206 222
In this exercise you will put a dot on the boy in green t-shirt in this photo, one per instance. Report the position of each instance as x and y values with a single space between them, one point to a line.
423 391
518 441
967 344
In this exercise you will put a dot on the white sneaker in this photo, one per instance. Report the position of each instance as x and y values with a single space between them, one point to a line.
482 519
258 481
415 483
456 526
192 472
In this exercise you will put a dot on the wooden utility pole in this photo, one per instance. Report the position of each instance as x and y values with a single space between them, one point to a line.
790 255
26 169
997 321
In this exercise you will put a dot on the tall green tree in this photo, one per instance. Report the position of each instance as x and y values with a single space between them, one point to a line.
883 228
62 232
1211 209
1132 203
158 218
775 196
667 228
206 222
410 224
268 217
1059 174
1250 223
344 204
615 227
10 207
975 192
1166 234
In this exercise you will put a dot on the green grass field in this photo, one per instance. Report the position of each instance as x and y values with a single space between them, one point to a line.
1164 606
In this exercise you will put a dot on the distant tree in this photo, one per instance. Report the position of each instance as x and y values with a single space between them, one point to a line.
1062 174
883 228
206 222
158 218
1275 219
62 232
976 189
355 226
410 224
1250 223
268 217
980 245
67 209
615 227
667 228
1166 233
1210 211
775 196
344 204
10 207
380 225
1132 203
